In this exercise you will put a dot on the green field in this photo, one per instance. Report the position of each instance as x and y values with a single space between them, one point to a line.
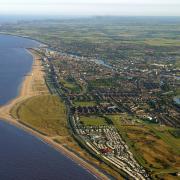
72 86
84 103
177 64
45 113
162 42
93 120
67 84
124 119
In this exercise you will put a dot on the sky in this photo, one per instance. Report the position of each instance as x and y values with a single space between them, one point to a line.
91 7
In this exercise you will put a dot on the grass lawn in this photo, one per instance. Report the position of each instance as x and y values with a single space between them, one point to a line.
162 42
93 120
45 113
124 119
71 86
67 84
177 63
84 103
178 92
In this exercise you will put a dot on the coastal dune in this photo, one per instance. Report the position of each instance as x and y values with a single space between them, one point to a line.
34 85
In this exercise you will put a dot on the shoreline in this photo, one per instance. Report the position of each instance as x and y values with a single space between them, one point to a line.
42 44
26 92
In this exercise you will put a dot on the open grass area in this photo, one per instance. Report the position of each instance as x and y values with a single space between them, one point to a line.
158 149
177 64
162 42
45 113
84 103
124 119
175 133
154 147
93 120
72 86
67 84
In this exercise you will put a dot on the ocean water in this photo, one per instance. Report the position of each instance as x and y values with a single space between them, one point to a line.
23 156
15 63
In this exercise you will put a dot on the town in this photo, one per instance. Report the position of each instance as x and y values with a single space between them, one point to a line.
94 92
88 80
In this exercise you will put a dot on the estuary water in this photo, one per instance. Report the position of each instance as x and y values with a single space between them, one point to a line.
23 156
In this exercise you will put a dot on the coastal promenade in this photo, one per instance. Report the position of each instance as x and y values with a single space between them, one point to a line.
34 85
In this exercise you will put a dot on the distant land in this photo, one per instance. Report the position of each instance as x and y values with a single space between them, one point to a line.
104 91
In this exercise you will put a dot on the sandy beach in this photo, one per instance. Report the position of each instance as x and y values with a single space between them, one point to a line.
27 90
34 85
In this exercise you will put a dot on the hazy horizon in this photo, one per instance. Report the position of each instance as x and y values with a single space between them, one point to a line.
91 7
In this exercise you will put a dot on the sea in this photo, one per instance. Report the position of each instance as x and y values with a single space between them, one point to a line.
22 155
